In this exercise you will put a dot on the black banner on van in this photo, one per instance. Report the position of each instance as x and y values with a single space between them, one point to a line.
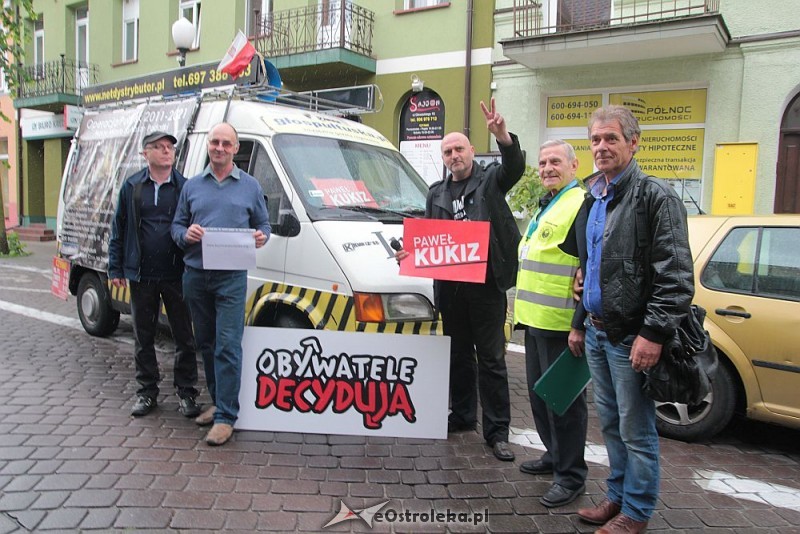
108 150
184 80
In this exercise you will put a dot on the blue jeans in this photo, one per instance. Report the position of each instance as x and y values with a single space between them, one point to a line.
628 420
216 299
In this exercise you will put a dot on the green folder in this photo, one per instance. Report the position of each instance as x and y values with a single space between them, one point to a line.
563 381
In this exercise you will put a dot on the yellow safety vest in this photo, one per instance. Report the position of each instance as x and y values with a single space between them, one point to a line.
544 280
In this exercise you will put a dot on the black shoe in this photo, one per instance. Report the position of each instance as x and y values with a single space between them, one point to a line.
453 426
502 452
558 495
143 406
188 407
536 467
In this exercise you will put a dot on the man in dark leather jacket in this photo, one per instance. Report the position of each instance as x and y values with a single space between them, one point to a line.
473 315
634 298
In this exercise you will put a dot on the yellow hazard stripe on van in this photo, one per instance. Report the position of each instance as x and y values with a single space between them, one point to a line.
328 311
123 295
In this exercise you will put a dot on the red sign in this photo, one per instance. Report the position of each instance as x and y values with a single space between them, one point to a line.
446 250
59 284
342 192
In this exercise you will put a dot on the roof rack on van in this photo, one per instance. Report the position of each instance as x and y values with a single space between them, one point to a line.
353 100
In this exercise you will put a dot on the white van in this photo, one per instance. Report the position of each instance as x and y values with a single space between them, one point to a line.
337 193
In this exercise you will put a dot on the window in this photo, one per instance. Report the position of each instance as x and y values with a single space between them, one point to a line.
82 47
277 201
264 8
415 4
778 273
190 10
130 30
757 261
38 46
347 180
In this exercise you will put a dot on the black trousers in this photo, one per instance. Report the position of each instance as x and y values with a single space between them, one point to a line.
146 298
564 436
473 315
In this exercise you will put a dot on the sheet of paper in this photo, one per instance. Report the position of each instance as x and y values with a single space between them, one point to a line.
229 249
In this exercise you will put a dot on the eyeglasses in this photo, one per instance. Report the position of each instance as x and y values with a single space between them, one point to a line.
169 147
225 143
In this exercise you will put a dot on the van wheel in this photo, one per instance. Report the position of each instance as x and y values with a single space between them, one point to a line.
691 423
291 320
94 307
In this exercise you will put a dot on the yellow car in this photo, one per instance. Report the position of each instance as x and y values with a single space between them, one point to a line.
747 277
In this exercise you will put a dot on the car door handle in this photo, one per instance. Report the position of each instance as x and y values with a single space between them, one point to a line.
733 313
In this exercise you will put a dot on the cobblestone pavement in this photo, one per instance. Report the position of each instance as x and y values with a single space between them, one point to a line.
72 459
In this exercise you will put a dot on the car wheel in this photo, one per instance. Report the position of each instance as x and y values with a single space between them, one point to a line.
94 307
702 421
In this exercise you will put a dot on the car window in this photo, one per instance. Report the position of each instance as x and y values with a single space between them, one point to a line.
732 265
758 261
263 170
779 263
339 179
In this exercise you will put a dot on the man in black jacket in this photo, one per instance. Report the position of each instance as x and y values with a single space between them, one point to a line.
473 315
636 292
142 250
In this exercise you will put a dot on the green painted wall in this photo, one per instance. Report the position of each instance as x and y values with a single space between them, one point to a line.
752 17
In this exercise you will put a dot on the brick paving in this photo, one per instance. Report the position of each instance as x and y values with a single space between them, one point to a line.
73 460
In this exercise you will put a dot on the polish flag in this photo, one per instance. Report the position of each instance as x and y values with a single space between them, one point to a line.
238 57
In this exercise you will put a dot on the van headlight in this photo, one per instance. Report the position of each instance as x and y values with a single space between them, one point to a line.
392 307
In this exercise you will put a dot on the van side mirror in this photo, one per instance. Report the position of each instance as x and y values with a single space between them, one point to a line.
288 225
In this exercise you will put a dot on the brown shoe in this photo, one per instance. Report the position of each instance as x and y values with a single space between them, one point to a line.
207 417
600 514
622 524
219 434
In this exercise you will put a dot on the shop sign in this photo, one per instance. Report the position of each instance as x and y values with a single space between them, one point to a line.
567 111
44 127
687 106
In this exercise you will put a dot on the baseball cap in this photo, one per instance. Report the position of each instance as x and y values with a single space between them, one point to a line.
155 136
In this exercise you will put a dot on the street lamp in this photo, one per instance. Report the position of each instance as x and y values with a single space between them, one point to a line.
183 35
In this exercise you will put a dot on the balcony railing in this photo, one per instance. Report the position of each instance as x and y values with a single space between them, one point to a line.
540 17
335 24
64 76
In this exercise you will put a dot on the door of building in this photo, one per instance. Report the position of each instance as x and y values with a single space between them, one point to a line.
787 187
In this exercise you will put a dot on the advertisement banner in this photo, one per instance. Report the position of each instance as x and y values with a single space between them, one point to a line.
568 111
337 192
108 152
446 250
672 154
351 383
686 106
184 80
59 281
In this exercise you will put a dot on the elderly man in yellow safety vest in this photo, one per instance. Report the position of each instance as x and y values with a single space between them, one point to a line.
548 261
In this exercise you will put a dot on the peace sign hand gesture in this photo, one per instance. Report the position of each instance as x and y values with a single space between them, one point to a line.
496 124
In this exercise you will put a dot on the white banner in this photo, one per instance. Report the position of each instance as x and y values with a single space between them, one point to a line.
352 383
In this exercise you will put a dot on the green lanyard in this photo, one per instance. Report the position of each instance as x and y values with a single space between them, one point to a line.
534 224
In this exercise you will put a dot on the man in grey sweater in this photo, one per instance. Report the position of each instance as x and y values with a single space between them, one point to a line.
222 196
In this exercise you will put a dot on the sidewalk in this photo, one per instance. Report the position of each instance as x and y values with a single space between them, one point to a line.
72 459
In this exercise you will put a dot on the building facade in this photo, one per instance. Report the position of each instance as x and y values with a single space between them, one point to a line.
713 83
431 61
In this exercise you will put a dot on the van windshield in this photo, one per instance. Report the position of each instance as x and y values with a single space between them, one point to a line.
338 179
